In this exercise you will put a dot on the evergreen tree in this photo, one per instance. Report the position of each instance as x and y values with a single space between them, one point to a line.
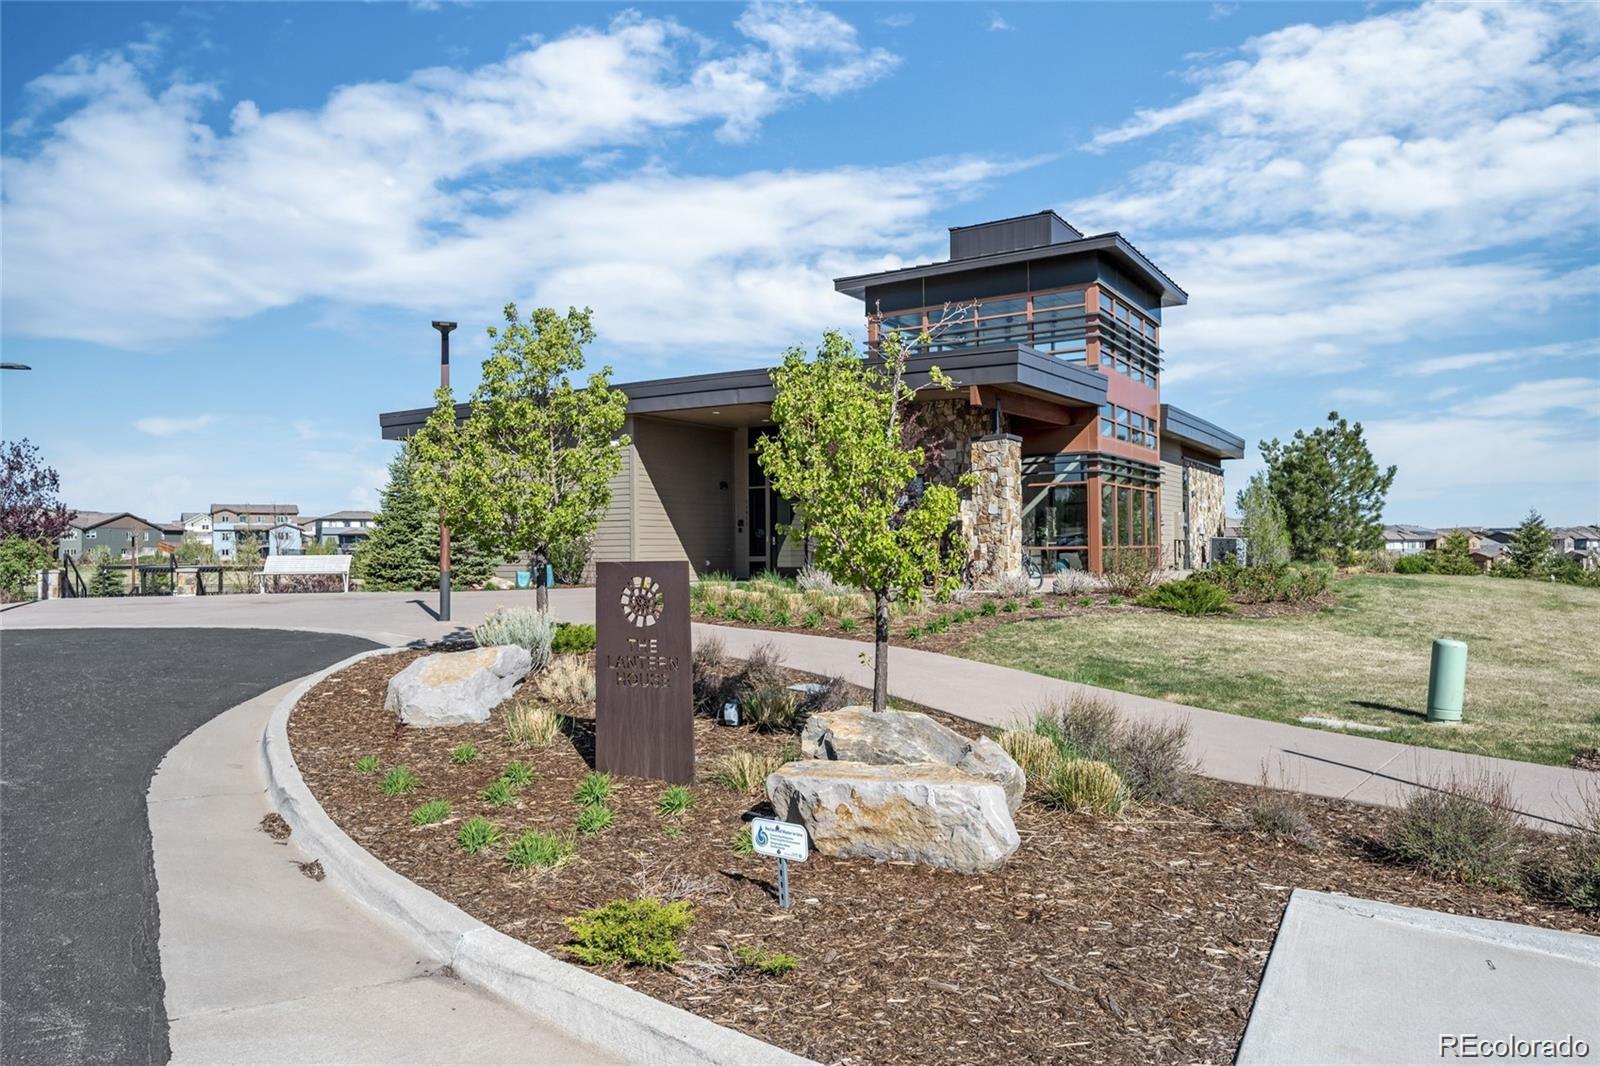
1454 555
1330 489
402 551
1530 551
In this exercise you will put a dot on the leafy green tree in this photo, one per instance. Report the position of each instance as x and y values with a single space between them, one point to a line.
247 550
1262 523
1531 551
402 551
192 551
1330 489
1454 555
21 559
319 546
841 456
538 452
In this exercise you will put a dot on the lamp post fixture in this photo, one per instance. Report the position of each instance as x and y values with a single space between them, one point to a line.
15 366
444 329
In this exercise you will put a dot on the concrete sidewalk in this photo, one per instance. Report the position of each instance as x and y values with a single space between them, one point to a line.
265 964
1229 747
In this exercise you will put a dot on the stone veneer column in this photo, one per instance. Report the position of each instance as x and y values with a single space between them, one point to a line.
991 514
1206 512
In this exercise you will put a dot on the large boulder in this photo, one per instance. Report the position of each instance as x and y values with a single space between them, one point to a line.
858 734
924 812
456 687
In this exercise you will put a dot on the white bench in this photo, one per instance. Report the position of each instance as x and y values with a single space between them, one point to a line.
303 565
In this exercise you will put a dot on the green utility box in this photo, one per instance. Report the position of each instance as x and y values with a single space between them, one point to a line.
1447 681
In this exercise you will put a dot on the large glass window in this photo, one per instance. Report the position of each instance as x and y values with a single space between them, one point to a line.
1055 512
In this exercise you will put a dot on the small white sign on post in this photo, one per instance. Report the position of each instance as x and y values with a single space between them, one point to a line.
783 841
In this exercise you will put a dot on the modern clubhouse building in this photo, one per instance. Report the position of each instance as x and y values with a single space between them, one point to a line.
1053 341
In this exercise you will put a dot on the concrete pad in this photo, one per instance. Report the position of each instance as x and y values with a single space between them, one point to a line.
1354 981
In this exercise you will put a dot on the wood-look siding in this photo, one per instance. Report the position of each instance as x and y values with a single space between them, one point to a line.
1172 531
669 502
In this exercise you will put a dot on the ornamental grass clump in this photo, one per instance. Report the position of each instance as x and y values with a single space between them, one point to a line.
463 753
517 773
774 709
764 962
430 813
568 681
533 727
368 764
398 782
499 793
1462 829
522 626
477 834
1085 786
1150 757
744 771
595 818
594 788
1036 755
674 801
542 851
632 932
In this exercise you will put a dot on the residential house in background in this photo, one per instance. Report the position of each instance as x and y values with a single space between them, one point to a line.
284 538
1052 340
197 524
231 522
345 529
1408 540
122 533
1581 544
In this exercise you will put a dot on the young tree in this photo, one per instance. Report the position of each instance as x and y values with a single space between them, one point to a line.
1262 524
30 506
1531 549
1454 555
840 455
247 549
538 451
1329 487
402 551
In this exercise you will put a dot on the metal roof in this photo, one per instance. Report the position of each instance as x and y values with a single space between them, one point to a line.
268 508
1015 365
349 515
1404 532
1113 242
1192 429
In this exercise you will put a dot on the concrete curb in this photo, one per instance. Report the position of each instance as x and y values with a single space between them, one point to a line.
606 1015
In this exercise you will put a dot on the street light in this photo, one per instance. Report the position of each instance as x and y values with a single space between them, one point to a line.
15 366
444 329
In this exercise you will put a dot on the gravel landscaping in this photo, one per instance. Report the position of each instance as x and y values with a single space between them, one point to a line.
1140 937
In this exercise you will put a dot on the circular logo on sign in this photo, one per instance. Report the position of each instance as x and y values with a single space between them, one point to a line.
642 601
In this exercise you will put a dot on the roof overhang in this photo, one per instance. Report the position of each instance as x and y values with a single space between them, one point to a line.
1180 425
1112 244
722 397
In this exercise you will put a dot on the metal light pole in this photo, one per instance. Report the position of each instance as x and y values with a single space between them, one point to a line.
15 366
444 329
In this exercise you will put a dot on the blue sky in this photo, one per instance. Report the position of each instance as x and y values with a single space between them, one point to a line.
226 227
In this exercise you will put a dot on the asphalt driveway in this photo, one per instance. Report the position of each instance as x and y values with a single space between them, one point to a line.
85 717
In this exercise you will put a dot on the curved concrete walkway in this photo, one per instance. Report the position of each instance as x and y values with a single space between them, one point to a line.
266 964
1229 747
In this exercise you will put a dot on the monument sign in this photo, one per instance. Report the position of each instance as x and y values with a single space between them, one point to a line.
644 703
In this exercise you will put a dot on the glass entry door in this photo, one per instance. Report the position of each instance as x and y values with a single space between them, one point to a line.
768 512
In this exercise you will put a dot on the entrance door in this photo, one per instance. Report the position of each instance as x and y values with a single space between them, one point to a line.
768 512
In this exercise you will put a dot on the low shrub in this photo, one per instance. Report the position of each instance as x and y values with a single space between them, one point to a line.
1461 829
764 962
477 834
594 788
463 753
1188 597
744 771
1282 583
674 801
1013 585
709 671
848 624
989 609
499 793
533 727
1576 880
1416 563
20 561
811 620
1130 571
1378 561
1076 582
398 782
1035 602
595 818
431 812
568 681
368 764
517 773
573 638
633 932
1085 601
1009 606
1085 785
1151 757
1279 814
542 851
811 579
913 632
522 626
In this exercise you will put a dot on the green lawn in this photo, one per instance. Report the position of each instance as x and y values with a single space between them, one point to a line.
1533 672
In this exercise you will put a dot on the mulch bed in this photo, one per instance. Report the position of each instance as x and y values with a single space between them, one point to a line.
1138 939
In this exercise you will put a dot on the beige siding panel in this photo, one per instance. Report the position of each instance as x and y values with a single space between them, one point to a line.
1171 503
611 539
681 509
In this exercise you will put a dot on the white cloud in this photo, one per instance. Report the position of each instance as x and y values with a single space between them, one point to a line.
138 222
998 24
159 426
1333 191
1585 348
1531 399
